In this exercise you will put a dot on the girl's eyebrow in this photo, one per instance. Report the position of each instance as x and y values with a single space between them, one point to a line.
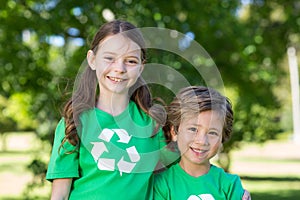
129 54
108 52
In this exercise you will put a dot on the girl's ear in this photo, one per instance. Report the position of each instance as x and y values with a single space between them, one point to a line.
90 56
173 134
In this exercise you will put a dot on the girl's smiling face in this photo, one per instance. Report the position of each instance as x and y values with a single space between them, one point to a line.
117 63
199 138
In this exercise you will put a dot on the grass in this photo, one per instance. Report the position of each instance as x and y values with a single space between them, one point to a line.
20 149
269 171
272 188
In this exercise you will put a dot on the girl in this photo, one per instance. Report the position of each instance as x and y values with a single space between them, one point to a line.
106 145
199 122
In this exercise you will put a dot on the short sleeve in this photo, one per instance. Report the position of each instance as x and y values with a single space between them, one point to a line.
160 189
63 163
235 188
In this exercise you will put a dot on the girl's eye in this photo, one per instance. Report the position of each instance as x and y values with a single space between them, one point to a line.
109 59
131 62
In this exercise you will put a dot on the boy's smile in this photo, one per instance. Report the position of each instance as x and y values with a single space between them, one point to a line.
199 138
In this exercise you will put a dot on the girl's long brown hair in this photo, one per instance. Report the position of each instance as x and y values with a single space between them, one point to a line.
84 96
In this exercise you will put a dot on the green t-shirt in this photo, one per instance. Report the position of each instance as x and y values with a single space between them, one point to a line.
176 184
116 157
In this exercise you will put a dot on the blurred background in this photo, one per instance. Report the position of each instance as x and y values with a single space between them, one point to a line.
43 43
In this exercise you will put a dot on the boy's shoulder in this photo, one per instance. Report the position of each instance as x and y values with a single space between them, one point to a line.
224 176
168 174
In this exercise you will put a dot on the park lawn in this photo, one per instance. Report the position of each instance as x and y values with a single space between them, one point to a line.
269 171
265 171
273 188
21 149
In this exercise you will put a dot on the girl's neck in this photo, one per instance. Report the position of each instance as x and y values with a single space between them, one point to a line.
113 105
195 170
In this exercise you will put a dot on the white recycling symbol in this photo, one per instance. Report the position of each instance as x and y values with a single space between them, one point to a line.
201 197
109 164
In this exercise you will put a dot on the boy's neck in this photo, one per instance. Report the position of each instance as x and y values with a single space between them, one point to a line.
195 170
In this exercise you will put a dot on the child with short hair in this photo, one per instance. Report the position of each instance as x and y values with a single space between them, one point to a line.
199 121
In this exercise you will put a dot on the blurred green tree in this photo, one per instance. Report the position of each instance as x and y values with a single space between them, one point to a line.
43 43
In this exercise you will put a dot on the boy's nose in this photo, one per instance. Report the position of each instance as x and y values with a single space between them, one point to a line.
201 138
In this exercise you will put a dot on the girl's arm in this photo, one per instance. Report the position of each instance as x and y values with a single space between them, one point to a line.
61 189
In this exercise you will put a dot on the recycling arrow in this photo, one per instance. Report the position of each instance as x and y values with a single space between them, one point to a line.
109 164
106 134
98 149
106 164
201 197
125 166
123 135
134 157
133 154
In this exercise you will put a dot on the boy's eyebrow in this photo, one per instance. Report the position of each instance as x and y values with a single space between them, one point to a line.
215 129
210 128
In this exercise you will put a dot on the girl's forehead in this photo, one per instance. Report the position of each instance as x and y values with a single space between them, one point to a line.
119 44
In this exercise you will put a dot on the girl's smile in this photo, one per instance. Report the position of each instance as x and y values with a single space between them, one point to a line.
117 63
115 79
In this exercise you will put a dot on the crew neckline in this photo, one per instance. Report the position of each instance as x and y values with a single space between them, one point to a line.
124 113
193 177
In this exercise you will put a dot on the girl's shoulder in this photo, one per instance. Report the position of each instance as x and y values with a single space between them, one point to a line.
138 115
60 127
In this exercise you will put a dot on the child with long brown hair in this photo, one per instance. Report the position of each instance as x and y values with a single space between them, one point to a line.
106 145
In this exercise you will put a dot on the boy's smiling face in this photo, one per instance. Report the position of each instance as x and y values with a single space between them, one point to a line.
199 137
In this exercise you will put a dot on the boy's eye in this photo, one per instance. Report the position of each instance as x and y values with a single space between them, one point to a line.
192 129
213 133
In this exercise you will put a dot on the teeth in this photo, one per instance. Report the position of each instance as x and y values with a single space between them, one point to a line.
198 150
116 79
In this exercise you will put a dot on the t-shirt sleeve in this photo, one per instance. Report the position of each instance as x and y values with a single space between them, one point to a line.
235 188
160 189
63 163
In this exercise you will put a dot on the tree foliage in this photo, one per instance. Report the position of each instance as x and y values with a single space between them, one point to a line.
43 43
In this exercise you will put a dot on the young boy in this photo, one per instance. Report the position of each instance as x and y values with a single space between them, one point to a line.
199 122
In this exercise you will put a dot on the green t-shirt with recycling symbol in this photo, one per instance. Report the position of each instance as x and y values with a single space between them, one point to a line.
116 157
176 184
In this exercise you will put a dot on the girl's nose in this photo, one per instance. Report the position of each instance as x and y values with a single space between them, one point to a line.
119 66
